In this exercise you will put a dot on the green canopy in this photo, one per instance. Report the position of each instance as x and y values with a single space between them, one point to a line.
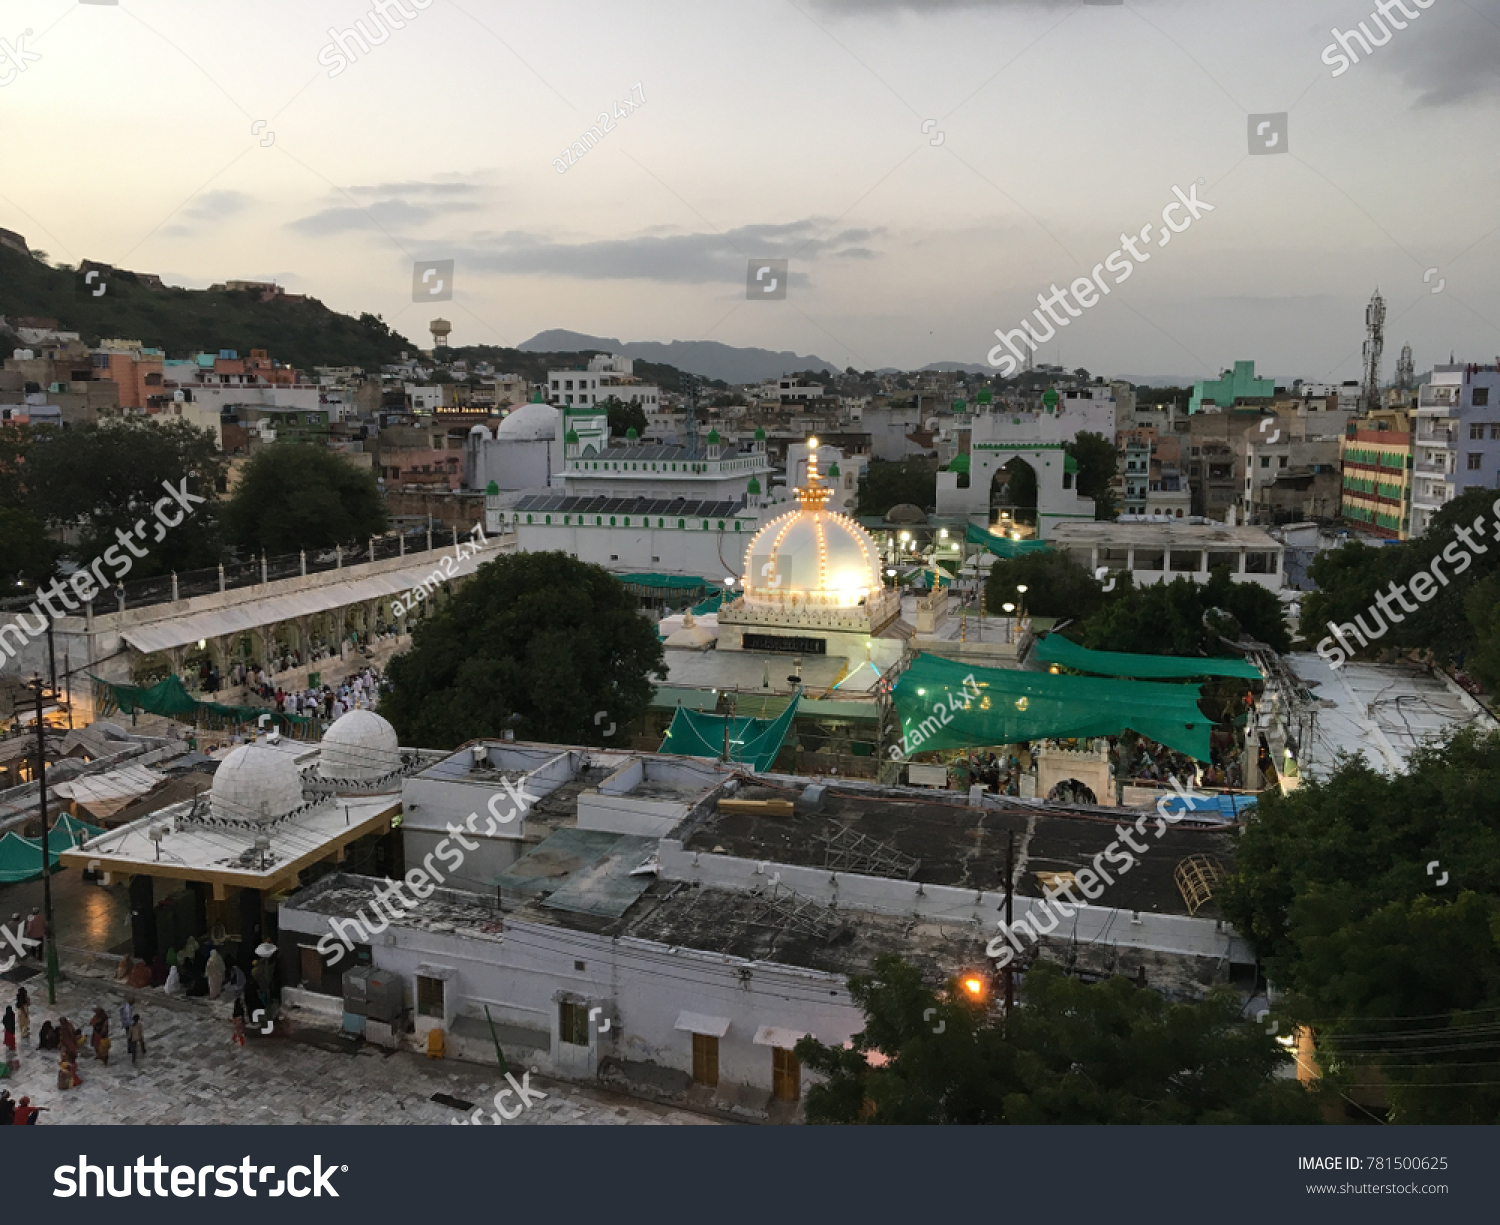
663 582
754 742
1000 546
21 858
943 704
75 831
1055 649
710 605
170 697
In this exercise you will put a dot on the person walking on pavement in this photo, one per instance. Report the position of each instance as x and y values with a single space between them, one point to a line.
99 1023
67 1039
9 1021
23 1014
127 1014
135 1037
36 929
239 1022
7 1108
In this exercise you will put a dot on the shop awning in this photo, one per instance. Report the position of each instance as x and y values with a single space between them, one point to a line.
697 1023
1055 649
1000 546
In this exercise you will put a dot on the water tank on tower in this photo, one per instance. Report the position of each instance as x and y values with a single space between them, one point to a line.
440 328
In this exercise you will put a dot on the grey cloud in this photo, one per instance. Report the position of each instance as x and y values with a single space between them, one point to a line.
416 188
378 214
1451 54
211 206
697 258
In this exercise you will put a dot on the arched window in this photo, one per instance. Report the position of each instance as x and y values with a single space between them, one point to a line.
549 518
528 518
681 523
611 521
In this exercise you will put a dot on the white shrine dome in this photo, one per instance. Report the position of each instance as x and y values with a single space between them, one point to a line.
255 783
814 555
360 747
529 423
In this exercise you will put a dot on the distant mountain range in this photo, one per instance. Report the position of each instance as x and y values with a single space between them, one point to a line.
707 358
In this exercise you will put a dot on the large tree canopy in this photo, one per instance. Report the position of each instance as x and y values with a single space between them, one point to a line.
1070 1053
1056 585
295 496
1454 622
1098 461
886 484
98 479
1186 618
539 643
1373 902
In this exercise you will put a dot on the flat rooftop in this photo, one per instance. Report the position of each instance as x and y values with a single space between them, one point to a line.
1162 535
957 845
1385 711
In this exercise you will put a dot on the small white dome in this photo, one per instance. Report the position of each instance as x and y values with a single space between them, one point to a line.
479 429
255 783
812 553
360 747
528 423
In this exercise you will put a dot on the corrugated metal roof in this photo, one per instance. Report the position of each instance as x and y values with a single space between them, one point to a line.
601 505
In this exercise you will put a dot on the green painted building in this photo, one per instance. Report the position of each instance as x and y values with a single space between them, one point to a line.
1236 385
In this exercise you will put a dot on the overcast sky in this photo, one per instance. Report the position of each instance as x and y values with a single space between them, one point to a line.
927 168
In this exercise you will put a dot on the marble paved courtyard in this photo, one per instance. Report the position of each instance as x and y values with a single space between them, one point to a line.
194 1074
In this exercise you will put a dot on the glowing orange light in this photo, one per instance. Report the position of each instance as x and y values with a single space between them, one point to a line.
974 986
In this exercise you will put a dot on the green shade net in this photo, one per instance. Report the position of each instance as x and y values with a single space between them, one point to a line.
21 858
1055 649
939 710
1000 546
75 831
752 742
170 698
710 605
663 582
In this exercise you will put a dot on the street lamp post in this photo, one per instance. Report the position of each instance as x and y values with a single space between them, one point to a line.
1009 625
49 936
1021 590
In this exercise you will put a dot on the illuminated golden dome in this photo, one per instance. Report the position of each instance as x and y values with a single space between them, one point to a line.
812 555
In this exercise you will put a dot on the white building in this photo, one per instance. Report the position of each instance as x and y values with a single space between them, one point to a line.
607 377
522 453
1159 551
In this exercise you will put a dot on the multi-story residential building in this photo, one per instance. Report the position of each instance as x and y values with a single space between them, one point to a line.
1237 386
135 369
1377 464
1457 447
607 377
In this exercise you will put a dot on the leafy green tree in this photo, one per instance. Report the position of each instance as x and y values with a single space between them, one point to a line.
1098 461
540 643
1070 1053
95 480
624 417
887 483
1452 624
26 553
296 495
1056 585
1187 618
1373 902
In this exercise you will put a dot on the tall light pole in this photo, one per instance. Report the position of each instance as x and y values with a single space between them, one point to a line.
1021 590
48 935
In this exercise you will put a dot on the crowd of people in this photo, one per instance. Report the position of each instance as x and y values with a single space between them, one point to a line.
1132 758
67 1042
357 692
